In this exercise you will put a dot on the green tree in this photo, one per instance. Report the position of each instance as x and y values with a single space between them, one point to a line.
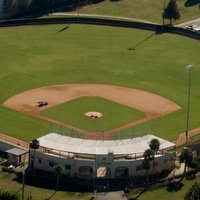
193 193
186 157
9 7
34 144
171 11
4 195
58 169
146 163
148 154
154 146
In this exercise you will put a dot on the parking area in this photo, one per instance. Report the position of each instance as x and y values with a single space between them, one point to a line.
193 25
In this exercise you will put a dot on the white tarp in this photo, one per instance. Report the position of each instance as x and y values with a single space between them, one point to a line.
100 147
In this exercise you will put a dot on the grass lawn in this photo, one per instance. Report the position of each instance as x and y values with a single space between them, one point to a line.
165 195
37 56
149 10
40 193
73 113
9 183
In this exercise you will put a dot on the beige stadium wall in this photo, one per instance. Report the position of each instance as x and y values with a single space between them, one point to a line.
163 162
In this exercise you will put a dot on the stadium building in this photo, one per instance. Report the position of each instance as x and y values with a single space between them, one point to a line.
99 158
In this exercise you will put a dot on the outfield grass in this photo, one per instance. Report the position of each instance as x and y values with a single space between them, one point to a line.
73 113
32 57
149 10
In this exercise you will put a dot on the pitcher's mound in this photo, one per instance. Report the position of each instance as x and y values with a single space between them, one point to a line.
93 114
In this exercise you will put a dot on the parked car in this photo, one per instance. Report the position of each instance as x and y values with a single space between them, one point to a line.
190 26
41 103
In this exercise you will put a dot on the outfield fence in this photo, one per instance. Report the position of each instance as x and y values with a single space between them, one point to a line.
101 21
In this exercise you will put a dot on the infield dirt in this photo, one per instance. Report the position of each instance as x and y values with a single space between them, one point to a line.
152 105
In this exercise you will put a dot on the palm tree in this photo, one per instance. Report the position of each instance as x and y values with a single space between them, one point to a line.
154 146
186 157
148 154
146 163
58 169
34 144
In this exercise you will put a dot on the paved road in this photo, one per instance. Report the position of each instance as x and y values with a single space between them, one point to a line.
194 21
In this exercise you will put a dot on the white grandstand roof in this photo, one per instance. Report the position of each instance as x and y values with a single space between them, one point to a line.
100 147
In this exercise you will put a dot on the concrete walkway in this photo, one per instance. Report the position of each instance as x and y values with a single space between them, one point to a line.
177 171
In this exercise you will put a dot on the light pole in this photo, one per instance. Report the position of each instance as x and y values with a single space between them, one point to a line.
189 69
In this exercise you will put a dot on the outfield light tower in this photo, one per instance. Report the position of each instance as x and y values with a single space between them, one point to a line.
189 69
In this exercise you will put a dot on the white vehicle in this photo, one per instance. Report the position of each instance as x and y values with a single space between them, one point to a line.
190 26
41 103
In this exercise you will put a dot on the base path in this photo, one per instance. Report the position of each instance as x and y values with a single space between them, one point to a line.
152 105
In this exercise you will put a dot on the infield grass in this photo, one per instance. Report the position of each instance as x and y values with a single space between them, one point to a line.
73 113
37 56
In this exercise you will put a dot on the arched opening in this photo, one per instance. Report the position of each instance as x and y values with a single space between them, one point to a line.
103 172
121 172
85 171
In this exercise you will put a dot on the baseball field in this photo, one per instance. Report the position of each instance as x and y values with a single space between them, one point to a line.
37 57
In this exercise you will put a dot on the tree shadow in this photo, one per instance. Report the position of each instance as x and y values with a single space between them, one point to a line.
174 186
141 42
51 196
20 189
139 194
190 3
143 191
63 29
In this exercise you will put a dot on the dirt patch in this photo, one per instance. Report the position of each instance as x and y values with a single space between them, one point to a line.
152 105
93 114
